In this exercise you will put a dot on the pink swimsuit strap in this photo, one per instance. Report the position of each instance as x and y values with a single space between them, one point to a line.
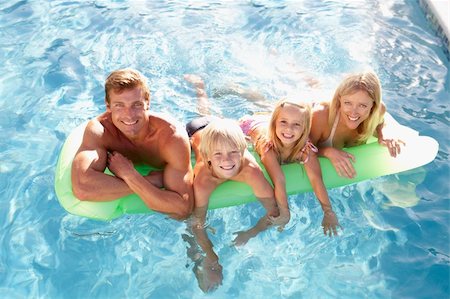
308 147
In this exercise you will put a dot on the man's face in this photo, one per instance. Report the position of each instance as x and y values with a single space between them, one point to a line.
128 111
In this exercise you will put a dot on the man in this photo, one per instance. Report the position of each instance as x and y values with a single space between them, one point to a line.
127 134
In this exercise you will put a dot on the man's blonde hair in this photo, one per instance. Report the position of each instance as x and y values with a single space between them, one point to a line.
221 132
122 79
366 81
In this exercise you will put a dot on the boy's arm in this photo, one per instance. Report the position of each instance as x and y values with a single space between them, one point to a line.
203 187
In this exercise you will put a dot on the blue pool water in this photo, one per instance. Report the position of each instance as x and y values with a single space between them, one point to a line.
54 58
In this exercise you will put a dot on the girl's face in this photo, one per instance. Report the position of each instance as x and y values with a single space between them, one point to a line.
355 108
289 126
225 160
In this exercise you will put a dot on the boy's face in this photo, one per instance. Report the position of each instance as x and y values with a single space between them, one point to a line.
225 160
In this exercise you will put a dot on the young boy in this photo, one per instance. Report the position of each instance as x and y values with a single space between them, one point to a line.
221 154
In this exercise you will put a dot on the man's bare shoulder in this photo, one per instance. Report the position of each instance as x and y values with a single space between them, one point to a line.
95 126
93 132
172 140
168 128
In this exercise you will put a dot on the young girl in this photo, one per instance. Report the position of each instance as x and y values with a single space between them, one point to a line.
221 154
284 139
355 113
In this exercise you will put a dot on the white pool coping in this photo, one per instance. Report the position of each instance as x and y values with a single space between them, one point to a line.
439 12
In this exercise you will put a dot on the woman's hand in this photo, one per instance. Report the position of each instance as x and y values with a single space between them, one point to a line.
393 145
342 162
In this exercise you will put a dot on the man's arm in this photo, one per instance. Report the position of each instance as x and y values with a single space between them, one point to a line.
177 198
89 182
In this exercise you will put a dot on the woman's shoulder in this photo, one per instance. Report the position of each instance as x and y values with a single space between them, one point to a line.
320 107
320 112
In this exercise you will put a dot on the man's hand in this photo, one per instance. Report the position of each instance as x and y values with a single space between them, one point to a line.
119 165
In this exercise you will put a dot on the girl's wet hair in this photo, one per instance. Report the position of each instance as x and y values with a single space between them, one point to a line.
123 79
220 132
366 81
271 136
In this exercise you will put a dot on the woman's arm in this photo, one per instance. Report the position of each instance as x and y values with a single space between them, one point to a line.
320 131
386 131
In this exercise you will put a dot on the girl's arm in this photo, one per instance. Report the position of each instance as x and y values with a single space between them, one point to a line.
276 174
330 222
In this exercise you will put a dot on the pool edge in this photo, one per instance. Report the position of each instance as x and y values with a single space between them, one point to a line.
438 13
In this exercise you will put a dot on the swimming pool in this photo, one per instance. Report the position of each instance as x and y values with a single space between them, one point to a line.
54 59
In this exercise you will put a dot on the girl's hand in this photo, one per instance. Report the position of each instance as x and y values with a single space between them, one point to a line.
393 145
342 162
330 223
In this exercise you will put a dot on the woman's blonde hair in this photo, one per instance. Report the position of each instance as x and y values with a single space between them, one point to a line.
271 136
368 82
221 132
123 79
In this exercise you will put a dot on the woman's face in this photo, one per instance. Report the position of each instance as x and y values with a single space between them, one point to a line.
355 108
225 160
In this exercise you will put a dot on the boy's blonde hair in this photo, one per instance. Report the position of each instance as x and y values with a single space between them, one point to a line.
271 136
122 79
367 81
220 132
